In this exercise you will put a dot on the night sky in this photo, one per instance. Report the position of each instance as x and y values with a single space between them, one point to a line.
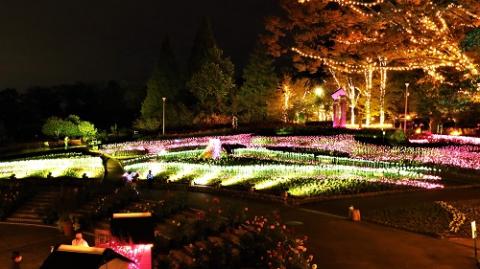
50 42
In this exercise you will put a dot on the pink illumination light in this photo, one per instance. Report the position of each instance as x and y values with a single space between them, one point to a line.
140 254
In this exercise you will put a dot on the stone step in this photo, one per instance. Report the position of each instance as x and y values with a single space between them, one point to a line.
48 196
26 210
36 204
25 215
25 220
43 198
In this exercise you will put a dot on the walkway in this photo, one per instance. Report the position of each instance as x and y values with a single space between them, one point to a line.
114 169
32 242
338 243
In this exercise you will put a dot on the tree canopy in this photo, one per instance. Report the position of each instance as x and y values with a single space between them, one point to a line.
212 85
259 86
71 126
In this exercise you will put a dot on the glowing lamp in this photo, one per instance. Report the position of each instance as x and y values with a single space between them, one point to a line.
456 132
319 92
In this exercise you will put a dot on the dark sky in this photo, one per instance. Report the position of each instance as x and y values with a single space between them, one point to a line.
48 42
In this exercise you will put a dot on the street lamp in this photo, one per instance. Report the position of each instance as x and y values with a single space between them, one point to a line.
406 107
319 91
163 116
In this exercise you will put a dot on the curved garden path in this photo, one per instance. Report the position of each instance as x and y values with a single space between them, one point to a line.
114 169
338 243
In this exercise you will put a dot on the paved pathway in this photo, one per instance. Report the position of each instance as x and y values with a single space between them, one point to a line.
339 243
114 170
32 242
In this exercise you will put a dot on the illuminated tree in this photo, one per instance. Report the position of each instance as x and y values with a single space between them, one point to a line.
375 37
53 127
71 126
87 130
299 99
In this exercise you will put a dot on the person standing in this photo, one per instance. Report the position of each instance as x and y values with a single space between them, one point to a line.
65 141
150 179
16 260
234 122
79 241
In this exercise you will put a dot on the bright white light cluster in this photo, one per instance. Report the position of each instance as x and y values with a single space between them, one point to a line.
160 146
69 167
269 176
176 155
305 158
454 139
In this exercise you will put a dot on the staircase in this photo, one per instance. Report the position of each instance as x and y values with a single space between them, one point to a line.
28 212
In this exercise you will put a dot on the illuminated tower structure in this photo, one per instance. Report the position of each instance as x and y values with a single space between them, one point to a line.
339 108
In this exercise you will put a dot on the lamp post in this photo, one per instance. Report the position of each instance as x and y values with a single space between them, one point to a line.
406 108
163 116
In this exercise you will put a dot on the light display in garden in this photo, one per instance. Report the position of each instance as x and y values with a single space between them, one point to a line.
74 166
462 156
453 139
316 178
140 254
162 146
213 150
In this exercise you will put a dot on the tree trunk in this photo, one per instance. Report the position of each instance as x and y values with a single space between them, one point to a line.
352 115
383 84
368 95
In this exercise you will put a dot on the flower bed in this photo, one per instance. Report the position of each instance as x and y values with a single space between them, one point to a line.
426 218
471 210
450 139
74 166
160 146
298 180
458 218
462 156
439 218
222 238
